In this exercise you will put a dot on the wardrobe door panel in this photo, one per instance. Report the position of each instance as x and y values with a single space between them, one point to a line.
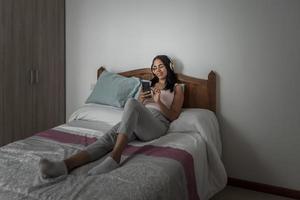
2 32
49 93
16 58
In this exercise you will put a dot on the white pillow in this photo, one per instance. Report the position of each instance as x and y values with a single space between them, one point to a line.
98 112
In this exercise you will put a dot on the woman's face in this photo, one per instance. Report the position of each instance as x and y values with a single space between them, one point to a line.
159 69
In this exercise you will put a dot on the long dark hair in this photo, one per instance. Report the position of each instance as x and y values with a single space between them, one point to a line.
171 78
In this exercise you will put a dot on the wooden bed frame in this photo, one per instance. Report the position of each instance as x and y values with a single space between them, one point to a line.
198 93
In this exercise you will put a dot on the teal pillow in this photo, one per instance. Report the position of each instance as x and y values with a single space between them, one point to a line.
113 89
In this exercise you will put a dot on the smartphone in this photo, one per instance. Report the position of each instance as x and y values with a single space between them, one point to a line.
146 85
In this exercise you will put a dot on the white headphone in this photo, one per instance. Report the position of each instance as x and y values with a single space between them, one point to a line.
171 63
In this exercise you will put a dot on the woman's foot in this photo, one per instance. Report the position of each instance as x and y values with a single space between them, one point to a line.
52 169
107 165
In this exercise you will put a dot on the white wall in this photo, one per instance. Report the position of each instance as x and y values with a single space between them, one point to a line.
253 45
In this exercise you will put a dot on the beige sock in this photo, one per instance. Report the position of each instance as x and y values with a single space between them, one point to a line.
52 169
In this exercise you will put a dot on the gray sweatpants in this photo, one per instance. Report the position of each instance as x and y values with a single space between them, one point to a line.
138 122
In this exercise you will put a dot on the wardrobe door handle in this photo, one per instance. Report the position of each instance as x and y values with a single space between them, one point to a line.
31 76
37 72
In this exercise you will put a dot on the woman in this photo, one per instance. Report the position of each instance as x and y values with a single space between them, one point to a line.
145 119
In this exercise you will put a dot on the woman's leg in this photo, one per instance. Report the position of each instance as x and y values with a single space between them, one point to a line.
136 119
120 145
51 169
147 125
77 160
111 162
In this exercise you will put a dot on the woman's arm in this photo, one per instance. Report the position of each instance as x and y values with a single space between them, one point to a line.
175 109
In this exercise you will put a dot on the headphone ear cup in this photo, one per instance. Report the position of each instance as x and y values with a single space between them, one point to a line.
172 66
171 63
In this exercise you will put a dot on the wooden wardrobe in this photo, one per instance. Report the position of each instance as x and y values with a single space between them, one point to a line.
32 67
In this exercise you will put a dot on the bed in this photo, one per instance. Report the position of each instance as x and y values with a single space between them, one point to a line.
183 164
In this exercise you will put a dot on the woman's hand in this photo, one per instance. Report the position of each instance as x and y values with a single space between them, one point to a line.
156 95
145 95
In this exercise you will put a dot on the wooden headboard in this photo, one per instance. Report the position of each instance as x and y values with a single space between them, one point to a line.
198 93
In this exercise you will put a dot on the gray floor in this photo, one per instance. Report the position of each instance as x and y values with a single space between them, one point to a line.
235 193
